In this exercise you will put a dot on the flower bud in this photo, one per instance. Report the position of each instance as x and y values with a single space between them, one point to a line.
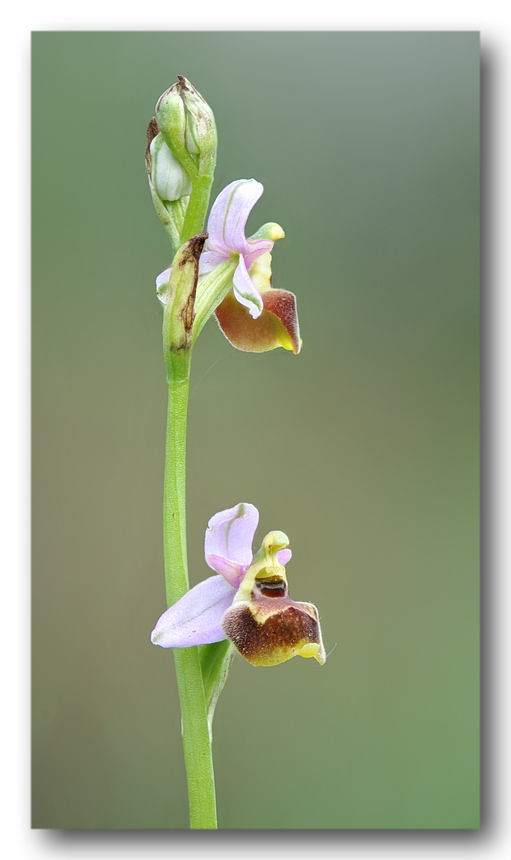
187 124
170 179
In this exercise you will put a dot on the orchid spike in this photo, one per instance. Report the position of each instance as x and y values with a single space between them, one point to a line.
247 602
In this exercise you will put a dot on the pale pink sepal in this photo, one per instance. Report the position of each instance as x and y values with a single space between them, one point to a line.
195 619
228 541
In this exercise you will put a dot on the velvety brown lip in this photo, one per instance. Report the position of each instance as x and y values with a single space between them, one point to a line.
283 631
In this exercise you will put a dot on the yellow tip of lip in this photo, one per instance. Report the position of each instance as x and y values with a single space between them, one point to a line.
313 649
309 650
276 232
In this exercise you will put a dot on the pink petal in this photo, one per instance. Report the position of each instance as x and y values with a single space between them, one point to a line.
229 215
284 556
195 619
230 570
245 290
228 541
257 248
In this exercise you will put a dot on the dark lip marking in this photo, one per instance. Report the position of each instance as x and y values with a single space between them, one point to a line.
272 586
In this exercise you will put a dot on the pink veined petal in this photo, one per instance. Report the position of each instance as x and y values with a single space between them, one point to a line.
257 248
229 215
245 290
228 541
195 618
210 259
284 556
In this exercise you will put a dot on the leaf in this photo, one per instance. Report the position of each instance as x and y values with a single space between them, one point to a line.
216 661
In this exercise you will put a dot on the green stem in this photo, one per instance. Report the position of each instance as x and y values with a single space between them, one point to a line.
197 206
196 740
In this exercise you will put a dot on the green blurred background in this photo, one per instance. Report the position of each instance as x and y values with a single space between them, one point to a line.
363 449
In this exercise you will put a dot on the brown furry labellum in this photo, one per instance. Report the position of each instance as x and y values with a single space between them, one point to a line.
270 630
277 325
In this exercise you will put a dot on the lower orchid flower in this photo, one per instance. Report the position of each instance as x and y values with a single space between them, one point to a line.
247 602
253 316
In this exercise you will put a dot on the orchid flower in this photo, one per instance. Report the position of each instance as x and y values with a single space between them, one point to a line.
254 316
247 602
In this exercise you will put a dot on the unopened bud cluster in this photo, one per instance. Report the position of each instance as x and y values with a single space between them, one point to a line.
181 150
187 124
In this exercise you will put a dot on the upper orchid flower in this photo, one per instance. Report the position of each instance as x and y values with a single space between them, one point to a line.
226 237
253 316
247 602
